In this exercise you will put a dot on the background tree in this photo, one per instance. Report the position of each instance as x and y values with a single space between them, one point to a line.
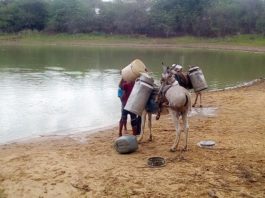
162 18
72 16
19 15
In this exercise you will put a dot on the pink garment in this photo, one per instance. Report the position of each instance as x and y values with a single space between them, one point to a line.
127 89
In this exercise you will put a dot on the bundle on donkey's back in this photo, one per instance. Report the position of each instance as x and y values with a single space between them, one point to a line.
194 79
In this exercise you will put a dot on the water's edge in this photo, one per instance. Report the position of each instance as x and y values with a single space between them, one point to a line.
81 135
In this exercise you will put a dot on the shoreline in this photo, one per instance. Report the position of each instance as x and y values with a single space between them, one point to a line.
79 136
148 44
233 168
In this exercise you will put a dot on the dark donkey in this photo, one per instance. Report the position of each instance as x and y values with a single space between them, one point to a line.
184 81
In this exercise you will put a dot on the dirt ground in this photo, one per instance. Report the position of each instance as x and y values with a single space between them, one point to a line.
91 167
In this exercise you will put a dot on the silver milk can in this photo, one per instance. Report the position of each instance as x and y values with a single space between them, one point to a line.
126 144
197 79
140 94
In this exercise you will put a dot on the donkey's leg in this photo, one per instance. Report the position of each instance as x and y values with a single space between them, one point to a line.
197 94
150 126
142 126
175 118
186 128
200 99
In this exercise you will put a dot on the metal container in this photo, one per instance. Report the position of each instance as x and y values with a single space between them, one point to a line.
140 94
156 162
197 79
126 144
133 70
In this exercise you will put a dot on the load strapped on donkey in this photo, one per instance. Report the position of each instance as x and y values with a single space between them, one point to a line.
194 79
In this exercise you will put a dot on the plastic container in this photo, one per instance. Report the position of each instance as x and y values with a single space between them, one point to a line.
140 94
126 144
133 70
197 79
120 92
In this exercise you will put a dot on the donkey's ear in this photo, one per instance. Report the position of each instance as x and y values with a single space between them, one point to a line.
164 69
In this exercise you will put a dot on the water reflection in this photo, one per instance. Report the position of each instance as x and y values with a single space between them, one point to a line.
56 100
68 89
204 112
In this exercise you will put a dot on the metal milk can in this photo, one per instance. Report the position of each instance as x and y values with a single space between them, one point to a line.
197 79
126 144
140 94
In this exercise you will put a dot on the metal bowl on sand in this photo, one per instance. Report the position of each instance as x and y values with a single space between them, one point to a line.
156 162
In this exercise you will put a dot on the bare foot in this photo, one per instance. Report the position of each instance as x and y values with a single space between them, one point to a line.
185 148
125 132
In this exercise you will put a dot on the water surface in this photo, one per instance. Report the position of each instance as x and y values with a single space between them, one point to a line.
60 90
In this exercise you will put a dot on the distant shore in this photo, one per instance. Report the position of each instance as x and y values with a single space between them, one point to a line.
248 43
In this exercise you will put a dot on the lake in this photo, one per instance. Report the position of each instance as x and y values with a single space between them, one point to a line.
47 90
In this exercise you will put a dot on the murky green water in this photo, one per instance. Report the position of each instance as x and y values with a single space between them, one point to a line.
61 90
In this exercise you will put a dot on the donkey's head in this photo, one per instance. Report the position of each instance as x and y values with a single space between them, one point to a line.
168 77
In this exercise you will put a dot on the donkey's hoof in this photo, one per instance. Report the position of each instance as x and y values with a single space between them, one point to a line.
185 149
173 149
150 139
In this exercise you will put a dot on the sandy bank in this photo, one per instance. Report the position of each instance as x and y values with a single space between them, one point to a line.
68 168
153 44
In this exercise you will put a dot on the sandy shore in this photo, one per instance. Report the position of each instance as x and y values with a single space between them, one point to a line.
235 167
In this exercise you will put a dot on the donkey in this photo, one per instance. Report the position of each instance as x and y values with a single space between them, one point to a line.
177 99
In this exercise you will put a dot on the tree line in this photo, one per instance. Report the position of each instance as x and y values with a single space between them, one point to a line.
161 18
